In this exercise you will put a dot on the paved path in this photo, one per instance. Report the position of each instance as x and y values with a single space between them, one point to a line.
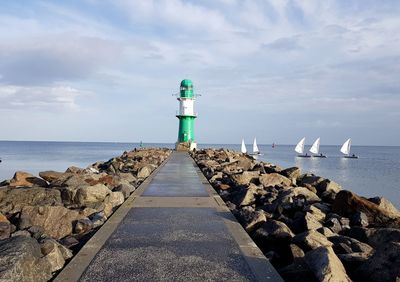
174 228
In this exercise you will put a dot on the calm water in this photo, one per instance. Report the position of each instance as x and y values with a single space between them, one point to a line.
376 172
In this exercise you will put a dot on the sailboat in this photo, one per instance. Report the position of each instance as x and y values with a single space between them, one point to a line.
300 149
243 149
315 149
346 150
256 151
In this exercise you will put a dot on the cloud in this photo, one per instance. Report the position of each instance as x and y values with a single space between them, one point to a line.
39 98
284 44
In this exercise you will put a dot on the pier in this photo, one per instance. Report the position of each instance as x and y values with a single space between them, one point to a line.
174 227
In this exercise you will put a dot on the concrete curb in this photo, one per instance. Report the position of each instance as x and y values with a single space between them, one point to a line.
76 267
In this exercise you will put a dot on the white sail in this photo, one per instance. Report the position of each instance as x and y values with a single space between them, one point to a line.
315 147
346 147
255 147
243 149
300 146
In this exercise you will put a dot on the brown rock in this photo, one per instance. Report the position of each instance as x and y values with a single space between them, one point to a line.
25 179
88 195
50 175
386 205
245 178
272 179
56 221
275 231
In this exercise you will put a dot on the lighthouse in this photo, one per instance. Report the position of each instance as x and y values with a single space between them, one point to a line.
186 117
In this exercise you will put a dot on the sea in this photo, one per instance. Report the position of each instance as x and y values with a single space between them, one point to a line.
375 173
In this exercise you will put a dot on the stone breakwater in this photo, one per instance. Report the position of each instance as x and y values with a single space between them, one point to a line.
307 226
45 220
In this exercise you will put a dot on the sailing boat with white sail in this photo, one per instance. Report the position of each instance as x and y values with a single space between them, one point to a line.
300 149
243 149
315 149
346 150
256 151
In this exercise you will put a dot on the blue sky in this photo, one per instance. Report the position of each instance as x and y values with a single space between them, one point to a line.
279 70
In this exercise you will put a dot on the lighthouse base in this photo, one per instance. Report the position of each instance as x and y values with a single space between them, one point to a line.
185 146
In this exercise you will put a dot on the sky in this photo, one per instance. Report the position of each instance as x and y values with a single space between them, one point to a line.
278 70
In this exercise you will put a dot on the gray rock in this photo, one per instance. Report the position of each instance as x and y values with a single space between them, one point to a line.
325 265
21 260
14 199
386 205
343 244
384 265
145 171
326 231
52 254
375 237
24 233
125 189
359 219
273 179
333 224
245 178
252 219
274 231
88 195
311 240
5 230
292 173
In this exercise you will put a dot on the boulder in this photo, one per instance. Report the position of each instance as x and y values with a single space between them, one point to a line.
292 173
21 260
348 203
252 219
359 219
127 177
325 265
346 245
294 192
375 237
25 179
145 171
52 254
5 230
13 200
309 179
274 231
115 199
24 233
297 271
125 189
312 221
386 206
50 175
311 240
273 179
88 195
326 231
56 221
384 265
245 178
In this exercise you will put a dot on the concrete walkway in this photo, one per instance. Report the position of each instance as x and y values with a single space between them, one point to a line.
174 228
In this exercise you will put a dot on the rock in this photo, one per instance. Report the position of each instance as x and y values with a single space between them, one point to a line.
115 198
21 260
98 219
293 192
273 179
311 221
3 218
246 198
12 200
375 237
83 225
316 212
297 271
310 179
274 231
245 177
347 245
128 177
125 189
56 220
295 252
5 230
311 240
252 219
69 241
348 203
386 205
36 231
50 175
52 254
384 265
333 224
326 231
88 195
328 189
325 265
24 233
359 219
25 179
292 173
145 171
74 169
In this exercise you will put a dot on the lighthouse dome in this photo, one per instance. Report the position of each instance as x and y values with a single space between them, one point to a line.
186 88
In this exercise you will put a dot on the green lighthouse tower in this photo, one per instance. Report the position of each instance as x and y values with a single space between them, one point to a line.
186 117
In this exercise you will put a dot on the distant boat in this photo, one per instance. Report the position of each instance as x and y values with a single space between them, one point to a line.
300 149
243 149
346 150
256 151
273 145
315 149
